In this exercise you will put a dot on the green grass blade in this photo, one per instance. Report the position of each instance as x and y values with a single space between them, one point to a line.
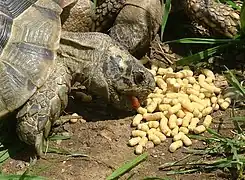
18 177
4 155
214 133
242 18
195 58
166 10
239 119
203 41
156 178
234 82
127 166
58 137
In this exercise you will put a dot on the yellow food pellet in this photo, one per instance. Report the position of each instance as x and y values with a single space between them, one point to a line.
224 105
199 129
174 109
153 117
207 102
148 101
207 94
178 136
208 73
175 145
186 140
193 124
160 135
134 141
137 119
152 130
195 98
163 107
138 133
209 80
143 141
179 81
192 91
214 99
161 83
153 124
154 95
151 107
201 78
198 106
139 149
172 95
143 127
185 130
187 105
154 138
175 131
209 87
196 87
197 113
215 107
180 114
186 120
191 80
174 102
166 101
162 71
157 90
207 121
201 95
207 111
171 81
74 120
179 121
172 121
170 74
142 110
157 100
185 81
164 126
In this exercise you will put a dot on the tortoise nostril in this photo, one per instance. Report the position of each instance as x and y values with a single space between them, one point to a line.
139 77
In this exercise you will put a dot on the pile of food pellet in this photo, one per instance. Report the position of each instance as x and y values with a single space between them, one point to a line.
180 104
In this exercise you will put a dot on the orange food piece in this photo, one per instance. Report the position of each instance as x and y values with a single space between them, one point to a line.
135 102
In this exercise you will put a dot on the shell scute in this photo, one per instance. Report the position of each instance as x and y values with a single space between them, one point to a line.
29 37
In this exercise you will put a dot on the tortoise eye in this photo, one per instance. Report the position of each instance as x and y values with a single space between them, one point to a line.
139 77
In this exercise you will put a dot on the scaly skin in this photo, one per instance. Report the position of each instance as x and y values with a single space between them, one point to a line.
217 17
131 29
132 23
94 60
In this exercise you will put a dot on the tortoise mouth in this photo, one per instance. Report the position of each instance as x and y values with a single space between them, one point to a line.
132 100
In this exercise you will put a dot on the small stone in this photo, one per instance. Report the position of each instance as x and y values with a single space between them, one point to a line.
74 120
149 145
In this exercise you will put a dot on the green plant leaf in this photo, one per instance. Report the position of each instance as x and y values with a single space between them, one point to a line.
242 19
166 10
127 166
203 41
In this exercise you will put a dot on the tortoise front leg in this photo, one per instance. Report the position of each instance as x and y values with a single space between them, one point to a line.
35 119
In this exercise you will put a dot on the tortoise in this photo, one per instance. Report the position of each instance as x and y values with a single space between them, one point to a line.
134 23
39 63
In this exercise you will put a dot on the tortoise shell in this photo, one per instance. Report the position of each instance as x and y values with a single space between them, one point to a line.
29 37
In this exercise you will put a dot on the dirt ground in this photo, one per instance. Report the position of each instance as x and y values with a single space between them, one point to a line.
104 142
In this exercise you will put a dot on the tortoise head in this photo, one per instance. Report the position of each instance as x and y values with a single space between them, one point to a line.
126 77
